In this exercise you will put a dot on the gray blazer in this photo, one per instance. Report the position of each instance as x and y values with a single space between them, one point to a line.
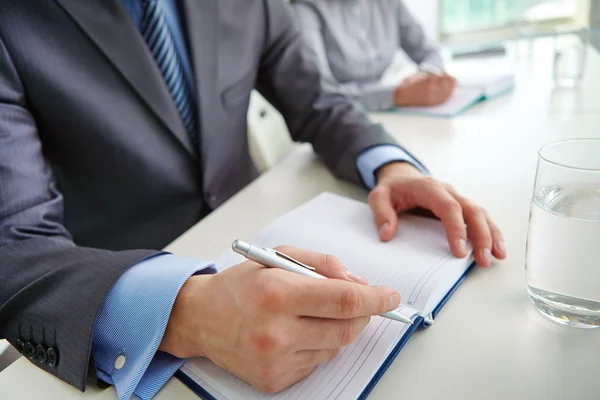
95 163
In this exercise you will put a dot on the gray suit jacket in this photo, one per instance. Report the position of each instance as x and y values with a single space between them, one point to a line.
95 162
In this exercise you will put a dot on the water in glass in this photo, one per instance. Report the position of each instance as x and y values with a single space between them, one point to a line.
563 253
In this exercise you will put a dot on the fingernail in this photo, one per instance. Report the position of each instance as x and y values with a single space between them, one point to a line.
462 246
356 278
500 246
394 301
383 228
486 254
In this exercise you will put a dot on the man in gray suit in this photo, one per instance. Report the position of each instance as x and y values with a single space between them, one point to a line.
123 123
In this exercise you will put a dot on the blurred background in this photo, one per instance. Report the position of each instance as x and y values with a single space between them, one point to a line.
460 20
460 16
546 44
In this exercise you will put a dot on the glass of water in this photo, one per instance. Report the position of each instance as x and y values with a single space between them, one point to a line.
563 241
570 51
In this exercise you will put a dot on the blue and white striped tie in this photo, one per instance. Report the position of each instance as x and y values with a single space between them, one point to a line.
158 37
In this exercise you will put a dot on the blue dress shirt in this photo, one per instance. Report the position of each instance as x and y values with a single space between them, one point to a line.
132 321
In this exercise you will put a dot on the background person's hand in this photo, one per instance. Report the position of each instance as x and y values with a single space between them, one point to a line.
271 327
401 187
424 90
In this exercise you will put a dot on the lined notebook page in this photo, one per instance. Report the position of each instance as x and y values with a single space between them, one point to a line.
417 263
491 86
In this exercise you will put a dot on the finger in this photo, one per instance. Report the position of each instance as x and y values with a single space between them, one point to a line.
439 93
447 87
386 217
447 93
324 264
479 231
454 82
496 244
441 96
332 298
311 358
448 209
432 85
498 249
323 333
448 80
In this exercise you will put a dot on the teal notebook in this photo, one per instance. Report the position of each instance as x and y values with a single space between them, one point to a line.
468 93
417 262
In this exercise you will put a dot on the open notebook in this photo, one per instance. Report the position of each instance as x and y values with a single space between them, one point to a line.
418 263
469 92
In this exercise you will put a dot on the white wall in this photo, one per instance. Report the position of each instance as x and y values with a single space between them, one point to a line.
426 12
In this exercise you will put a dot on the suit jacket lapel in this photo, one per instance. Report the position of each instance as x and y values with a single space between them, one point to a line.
107 24
201 20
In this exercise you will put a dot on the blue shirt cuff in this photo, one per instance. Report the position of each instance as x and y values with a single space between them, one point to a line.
369 161
132 321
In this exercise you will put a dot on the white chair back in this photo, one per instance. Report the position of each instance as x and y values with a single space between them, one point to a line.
269 138
8 354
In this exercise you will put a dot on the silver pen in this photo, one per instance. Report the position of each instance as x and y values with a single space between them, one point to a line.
275 259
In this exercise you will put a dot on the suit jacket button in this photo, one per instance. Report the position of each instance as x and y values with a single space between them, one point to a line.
52 354
29 350
21 345
40 354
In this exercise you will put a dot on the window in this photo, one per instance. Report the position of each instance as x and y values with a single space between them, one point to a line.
464 16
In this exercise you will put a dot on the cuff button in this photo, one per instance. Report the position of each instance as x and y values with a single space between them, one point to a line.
29 350
52 355
41 355
120 362
21 346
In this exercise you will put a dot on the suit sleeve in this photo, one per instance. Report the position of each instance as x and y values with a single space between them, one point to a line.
51 289
289 78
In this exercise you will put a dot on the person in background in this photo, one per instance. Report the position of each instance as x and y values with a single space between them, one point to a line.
355 42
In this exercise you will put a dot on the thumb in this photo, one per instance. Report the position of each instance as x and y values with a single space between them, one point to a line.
386 217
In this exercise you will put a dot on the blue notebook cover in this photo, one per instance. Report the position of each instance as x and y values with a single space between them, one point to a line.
419 322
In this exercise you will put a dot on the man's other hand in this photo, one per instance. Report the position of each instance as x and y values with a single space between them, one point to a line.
401 187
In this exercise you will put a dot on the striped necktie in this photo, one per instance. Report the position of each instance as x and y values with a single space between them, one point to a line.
158 37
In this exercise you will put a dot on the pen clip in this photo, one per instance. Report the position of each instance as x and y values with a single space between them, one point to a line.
286 257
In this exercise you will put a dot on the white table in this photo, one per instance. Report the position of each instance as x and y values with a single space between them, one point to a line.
489 342
532 62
